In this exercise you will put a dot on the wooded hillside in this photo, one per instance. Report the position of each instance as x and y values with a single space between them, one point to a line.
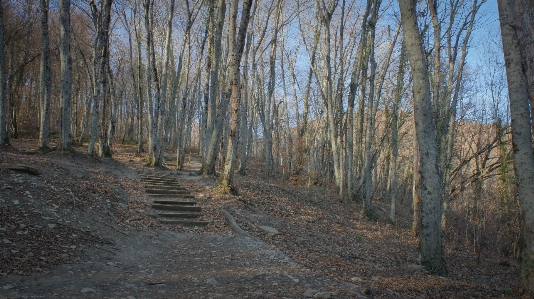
377 99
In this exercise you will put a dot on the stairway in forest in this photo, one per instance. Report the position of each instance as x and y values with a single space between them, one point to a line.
174 203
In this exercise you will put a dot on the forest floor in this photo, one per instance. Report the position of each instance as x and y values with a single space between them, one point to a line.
83 228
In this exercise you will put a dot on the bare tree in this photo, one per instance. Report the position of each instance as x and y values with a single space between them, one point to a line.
65 138
101 17
238 44
430 241
45 83
518 92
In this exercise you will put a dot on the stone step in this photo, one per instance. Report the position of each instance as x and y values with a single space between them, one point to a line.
168 201
175 207
165 187
165 191
158 180
182 214
182 222
172 196
162 183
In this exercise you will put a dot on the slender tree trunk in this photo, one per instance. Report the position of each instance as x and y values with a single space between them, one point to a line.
108 152
215 114
4 137
45 83
518 92
101 21
430 241
370 128
395 136
153 86
66 75
140 95
239 43
163 111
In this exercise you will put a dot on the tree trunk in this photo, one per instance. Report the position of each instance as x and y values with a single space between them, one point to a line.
101 21
518 92
395 135
108 152
215 114
4 137
430 241
162 115
140 103
45 83
238 45
370 128
153 86
65 140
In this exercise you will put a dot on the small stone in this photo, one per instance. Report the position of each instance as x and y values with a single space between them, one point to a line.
324 295
269 229
7 287
7 187
15 202
211 281
111 263
356 279
7 241
88 290
51 225
309 292
130 297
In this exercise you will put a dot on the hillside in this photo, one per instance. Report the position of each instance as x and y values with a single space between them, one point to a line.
84 228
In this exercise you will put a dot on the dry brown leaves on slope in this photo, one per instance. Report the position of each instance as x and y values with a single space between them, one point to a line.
332 237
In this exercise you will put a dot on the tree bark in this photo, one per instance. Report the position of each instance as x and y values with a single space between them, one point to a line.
4 136
45 83
239 43
101 21
430 240
216 113
518 92
65 140
395 135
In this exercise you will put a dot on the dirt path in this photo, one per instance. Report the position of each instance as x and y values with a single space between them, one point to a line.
167 264
156 262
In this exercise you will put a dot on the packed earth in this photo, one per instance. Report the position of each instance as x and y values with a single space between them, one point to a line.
84 228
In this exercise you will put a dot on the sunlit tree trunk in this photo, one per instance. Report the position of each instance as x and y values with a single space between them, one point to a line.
238 45
430 240
518 92
153 86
